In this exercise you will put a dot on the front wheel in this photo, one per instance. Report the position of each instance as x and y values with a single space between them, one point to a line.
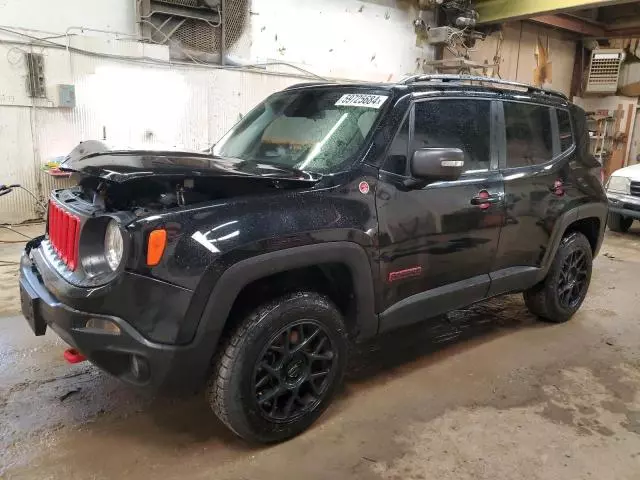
279 369
561 293
619 223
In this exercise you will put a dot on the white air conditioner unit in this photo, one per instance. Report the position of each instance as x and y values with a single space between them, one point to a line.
604 71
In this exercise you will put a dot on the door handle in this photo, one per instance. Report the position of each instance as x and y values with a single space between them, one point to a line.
484 199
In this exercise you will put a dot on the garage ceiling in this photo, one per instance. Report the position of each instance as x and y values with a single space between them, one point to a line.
494 11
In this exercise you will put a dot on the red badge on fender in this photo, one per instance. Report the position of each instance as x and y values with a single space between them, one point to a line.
363 187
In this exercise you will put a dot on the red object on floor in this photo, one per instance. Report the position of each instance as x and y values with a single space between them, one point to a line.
71 355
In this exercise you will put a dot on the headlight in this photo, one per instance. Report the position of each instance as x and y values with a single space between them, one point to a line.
113 245
619 184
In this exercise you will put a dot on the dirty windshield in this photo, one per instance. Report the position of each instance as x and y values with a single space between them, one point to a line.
311 130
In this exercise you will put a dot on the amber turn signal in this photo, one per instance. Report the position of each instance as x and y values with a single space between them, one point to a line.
155 246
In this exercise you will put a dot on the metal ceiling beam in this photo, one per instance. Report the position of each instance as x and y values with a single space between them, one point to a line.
571 24
495 11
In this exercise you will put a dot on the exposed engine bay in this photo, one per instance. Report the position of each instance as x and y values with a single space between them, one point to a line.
144 181
147 195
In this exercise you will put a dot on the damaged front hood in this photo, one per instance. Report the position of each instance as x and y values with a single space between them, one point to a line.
96 159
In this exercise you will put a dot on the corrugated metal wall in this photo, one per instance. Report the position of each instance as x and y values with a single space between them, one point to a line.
133 104
17 163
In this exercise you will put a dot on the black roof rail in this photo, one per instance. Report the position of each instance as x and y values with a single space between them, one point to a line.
472 78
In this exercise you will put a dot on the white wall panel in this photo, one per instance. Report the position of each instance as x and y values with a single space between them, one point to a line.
16 164
134 105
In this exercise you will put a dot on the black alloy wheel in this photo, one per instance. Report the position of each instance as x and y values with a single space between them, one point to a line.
564 288
572 281
278 369
292 374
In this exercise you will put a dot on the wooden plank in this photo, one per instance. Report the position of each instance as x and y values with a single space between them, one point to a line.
616 161
571 24
618 114
631 112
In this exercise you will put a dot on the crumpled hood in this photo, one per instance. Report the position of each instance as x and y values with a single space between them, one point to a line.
97 159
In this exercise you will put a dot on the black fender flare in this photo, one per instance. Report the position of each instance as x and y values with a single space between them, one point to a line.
591 210
239 275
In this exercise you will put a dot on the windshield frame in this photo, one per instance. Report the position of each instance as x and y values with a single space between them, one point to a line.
347 163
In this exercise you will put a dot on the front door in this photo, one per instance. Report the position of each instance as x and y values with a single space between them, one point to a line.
437 243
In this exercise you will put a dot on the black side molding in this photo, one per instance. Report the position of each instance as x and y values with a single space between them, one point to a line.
512 279
434 302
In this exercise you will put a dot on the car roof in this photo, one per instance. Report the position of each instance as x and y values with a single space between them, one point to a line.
424 83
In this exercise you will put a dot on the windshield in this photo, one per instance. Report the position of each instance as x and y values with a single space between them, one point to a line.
311 130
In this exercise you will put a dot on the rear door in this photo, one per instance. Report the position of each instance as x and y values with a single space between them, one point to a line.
538 145
438 243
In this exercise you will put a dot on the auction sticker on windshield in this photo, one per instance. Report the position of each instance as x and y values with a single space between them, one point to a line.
361 100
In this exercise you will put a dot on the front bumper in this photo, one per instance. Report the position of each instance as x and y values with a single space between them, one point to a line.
129 355
627 205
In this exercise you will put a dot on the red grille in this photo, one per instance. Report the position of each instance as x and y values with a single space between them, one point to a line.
64 230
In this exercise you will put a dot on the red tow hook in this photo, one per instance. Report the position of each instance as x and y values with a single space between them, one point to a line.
72 355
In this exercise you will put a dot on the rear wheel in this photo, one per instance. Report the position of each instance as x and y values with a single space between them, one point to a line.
619 223
279 369
561 293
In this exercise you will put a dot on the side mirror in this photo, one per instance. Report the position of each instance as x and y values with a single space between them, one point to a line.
437 164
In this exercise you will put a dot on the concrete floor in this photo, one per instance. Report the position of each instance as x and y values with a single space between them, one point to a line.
493 395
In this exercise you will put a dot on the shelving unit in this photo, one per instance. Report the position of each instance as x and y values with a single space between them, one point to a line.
608 138
601 135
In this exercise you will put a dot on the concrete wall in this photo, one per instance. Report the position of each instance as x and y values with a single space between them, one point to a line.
369 40
57 16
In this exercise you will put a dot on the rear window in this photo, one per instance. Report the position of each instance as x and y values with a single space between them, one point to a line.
529 134
564 128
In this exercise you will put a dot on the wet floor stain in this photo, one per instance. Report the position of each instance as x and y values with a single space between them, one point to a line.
559 414
576 434
633 422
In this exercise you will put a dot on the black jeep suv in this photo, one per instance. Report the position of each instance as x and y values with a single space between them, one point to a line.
329 214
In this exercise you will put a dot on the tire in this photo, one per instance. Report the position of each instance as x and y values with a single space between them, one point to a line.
619 223
268 344
556 298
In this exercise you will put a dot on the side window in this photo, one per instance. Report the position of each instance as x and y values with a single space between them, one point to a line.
397 159
564 128
463 124
529 134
